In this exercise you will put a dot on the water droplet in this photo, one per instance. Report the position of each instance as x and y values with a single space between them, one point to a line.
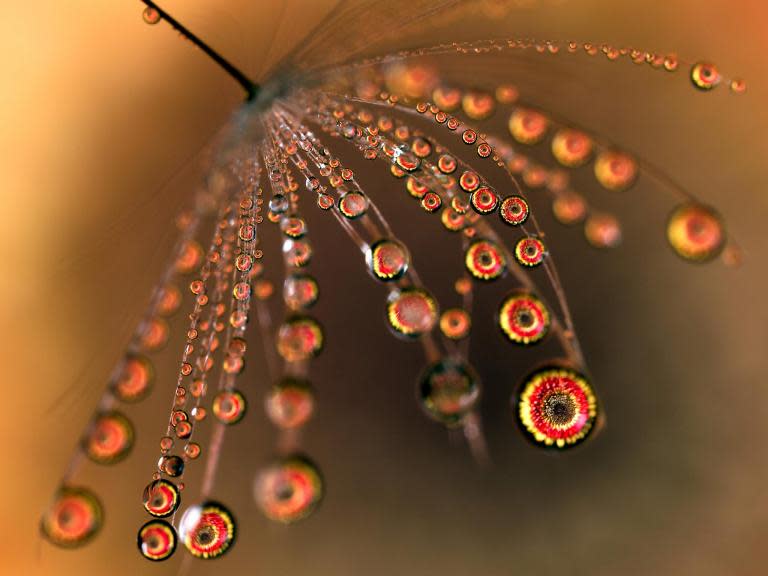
449 390
161 498
696 232
290 403
387 260
556 407
485 260
110 438
412 312
74 517
523 318
157 540
299 338
229 406
289 489
208 530
530 251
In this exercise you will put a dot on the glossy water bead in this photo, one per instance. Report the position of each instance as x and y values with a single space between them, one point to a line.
523 318
387 260
485 260
530 251
161 498
207 530
74 517
556 407
289 489
412 312
157 540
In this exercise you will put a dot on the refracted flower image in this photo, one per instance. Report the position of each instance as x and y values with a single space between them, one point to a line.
413 287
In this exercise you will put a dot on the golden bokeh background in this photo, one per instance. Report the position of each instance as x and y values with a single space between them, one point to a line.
100 117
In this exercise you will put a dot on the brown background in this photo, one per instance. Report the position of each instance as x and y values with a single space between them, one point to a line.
98 110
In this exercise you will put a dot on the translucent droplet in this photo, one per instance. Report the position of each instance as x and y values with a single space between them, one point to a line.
556 407
614 170
569 208
289 490
705 76
696 232
449 390
171 465
299 338
290 403
387 260
485 260
514 210
412 312
484 200
157 540
455 323
478 105
135 380
161 498
208 530
602 230
74 517
527 126
571 147
353 205
189 258
110 438
523 318
229 406
151 15
298 253
530 251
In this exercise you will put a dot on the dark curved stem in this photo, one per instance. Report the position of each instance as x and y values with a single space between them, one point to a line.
250 87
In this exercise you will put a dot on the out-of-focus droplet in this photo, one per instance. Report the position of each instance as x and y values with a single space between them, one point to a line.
571 147
289 489
449 390
615 170
696 232
109 439
74 517
455 323
290 403
135 380
602 230
299 338
527 126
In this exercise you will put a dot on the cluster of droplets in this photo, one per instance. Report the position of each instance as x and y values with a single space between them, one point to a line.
390 115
